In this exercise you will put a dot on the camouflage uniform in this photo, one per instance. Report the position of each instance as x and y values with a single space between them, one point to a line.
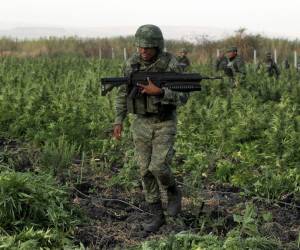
183 61
154 125
221 63
286 64
234 67
269 66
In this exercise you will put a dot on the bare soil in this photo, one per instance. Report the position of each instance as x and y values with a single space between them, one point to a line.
115 215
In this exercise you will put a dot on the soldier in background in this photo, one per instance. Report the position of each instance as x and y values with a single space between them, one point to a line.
221 62
232 65
182 59
154 125
269 66
286 64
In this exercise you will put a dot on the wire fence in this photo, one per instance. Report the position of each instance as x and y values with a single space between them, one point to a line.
197 55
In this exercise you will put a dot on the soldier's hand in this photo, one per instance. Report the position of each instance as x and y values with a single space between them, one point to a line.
117 131
150 89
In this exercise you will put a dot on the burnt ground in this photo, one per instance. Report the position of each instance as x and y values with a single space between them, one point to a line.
115 215
15 155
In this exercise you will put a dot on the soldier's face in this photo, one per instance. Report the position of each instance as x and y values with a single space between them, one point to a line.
232 54
147 54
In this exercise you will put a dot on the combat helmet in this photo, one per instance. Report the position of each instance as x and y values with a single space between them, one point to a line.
232 49
149 36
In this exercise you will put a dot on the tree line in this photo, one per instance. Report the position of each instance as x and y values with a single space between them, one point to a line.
203 50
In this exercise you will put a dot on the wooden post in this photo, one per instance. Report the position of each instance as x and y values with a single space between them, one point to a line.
218 52
254 57
295 59
125 54
112 53
275 55
100 53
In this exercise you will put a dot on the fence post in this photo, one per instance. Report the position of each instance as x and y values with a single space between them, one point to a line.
125 54
100 53
254 57
275 55
112 53
295 59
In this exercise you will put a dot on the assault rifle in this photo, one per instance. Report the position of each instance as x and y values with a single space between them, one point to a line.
183 82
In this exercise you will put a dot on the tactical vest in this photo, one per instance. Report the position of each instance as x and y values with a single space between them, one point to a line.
145 104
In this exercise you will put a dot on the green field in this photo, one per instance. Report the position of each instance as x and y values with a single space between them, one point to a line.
62 176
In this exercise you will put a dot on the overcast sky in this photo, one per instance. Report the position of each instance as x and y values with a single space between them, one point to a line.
277 16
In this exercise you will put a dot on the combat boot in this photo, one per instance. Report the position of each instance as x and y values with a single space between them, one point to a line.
174 200
156 218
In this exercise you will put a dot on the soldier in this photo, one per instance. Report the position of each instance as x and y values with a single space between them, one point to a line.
221 62
269 66
286 64
182 59
154 125
233 66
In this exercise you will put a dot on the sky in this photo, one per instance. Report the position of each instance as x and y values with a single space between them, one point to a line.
277 16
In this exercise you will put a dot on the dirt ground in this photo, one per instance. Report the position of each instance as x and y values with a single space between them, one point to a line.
116 215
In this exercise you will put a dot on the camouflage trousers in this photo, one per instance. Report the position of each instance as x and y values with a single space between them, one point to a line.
154 141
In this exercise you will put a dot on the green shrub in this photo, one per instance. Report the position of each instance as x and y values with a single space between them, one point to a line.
30 239
33 200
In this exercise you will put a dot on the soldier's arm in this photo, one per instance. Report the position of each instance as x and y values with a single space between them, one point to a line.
121 101
174 97
121 105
